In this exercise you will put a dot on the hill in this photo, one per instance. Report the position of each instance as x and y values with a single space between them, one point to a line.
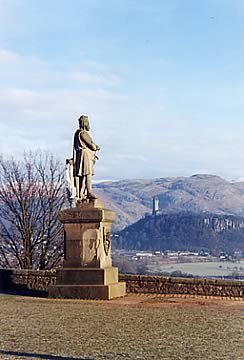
131 199
184 231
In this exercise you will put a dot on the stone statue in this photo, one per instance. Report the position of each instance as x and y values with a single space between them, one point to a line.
84 157
87 271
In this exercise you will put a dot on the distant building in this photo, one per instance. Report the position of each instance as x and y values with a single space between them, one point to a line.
155 206
144 254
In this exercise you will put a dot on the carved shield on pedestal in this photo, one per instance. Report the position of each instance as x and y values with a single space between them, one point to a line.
106 240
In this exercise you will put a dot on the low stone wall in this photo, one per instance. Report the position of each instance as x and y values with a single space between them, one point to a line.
29 280
26 280
185 286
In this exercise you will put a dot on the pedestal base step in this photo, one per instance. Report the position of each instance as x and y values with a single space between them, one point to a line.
94 292
87 276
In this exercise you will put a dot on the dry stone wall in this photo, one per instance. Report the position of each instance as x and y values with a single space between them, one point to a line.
185 286
26 280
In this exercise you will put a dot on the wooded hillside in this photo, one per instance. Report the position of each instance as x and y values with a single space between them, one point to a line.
184 231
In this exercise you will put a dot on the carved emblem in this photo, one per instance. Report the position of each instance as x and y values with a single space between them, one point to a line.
106 241
89 250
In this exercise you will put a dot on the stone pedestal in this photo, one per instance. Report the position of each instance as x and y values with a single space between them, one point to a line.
87 271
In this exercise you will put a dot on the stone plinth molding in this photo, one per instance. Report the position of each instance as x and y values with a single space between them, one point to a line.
87 269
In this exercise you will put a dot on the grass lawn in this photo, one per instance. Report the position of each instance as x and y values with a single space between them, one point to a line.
135 327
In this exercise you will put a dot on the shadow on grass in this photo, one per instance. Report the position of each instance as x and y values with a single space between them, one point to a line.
40 356
10 287
25 292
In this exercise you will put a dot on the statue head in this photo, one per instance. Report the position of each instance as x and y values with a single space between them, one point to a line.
84 122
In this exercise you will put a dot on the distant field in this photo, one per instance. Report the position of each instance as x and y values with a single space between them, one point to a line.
218 268
135 327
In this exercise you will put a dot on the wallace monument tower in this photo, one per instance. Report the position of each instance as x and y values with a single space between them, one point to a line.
87 271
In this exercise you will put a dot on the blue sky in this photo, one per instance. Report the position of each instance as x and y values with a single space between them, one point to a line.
162 82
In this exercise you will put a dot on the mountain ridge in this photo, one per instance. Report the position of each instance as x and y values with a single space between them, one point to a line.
132 199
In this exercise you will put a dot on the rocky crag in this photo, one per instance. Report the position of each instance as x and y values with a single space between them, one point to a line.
185 231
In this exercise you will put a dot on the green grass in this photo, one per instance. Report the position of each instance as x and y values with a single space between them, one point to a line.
215 268
136 327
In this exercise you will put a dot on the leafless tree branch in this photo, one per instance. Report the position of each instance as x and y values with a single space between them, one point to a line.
31 196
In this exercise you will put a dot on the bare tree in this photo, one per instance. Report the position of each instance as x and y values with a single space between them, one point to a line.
31 196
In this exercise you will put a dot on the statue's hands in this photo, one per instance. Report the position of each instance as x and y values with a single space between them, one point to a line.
98 147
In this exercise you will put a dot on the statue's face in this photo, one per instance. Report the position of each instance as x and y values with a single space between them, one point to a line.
86 125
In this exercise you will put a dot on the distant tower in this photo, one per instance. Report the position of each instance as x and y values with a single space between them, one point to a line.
155 206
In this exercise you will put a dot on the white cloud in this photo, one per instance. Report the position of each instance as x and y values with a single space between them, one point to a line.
40 105
47 119
9 57
31 70
95 79
137 139
13 58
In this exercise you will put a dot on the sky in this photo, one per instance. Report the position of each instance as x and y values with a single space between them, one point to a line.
162 82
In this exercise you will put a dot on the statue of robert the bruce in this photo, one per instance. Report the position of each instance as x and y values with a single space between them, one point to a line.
84 157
